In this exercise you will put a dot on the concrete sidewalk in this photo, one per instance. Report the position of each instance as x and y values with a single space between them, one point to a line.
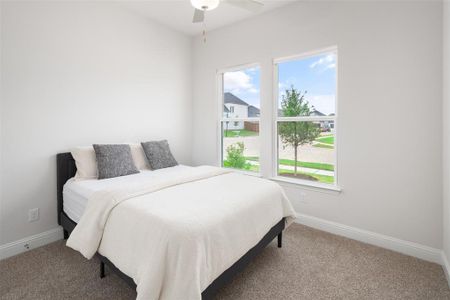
300 169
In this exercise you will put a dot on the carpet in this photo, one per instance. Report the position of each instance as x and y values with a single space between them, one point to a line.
311 265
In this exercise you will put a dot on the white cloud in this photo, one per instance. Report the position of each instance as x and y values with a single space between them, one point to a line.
287 84
238 82
282 85
324 63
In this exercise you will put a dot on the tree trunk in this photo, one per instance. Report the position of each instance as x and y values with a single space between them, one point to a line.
295 160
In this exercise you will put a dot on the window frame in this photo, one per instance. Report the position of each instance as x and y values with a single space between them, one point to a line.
276 119
220 92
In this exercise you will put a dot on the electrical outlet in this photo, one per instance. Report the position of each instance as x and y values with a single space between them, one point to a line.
33 215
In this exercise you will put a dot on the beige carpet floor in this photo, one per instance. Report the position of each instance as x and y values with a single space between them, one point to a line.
311 265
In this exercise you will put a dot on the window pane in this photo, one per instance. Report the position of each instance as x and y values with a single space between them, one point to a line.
306 151
241 93
240 145
311 79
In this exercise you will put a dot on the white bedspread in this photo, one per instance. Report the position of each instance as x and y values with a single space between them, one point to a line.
77 192
175 234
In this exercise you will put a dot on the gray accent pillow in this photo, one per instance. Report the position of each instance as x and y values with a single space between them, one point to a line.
114 161
159 155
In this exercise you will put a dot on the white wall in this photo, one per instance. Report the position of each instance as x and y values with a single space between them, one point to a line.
389 80
77 74
1 95
446 131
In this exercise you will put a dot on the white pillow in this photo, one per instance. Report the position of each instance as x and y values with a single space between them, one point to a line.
139 158
86 161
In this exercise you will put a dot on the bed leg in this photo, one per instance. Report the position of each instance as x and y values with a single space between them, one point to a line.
280 239
66 234
102 269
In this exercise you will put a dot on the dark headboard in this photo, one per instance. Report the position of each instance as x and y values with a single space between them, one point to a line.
65 169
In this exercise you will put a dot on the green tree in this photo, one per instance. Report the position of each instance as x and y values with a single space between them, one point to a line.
295 134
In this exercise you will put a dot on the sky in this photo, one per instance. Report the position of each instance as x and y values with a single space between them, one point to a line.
244 84
316 75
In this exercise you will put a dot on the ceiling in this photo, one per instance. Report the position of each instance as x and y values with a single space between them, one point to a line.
178 14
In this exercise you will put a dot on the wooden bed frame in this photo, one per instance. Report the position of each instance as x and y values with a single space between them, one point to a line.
66 169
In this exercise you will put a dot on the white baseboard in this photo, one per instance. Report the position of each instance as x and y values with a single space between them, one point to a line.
31 242
380 240
445 266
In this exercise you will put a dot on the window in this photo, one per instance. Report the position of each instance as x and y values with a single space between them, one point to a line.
306 118
239 122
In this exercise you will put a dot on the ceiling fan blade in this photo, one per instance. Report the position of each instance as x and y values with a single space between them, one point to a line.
250 5
199 16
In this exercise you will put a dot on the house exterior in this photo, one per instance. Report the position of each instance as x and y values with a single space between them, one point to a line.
235 107
253 111
324 125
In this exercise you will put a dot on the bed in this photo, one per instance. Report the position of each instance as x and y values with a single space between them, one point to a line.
72 200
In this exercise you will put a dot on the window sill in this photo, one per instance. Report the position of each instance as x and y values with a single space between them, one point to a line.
308 185
250 173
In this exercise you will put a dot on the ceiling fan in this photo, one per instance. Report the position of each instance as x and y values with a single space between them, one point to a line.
204 5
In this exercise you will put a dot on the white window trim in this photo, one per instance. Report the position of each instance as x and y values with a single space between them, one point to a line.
239 119
307 184
274 140
305 55
275 147
221 119
238 68
306 118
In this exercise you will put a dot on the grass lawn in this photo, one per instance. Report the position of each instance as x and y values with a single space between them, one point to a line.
249 167
304 164
329 139
290 173
326 146
237 133
319 178
254 168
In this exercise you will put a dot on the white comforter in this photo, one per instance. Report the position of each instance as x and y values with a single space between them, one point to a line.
175 234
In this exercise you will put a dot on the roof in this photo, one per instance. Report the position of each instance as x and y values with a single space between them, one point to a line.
253 111
230 98
315 112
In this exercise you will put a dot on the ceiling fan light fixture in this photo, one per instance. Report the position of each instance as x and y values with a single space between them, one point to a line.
205 4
